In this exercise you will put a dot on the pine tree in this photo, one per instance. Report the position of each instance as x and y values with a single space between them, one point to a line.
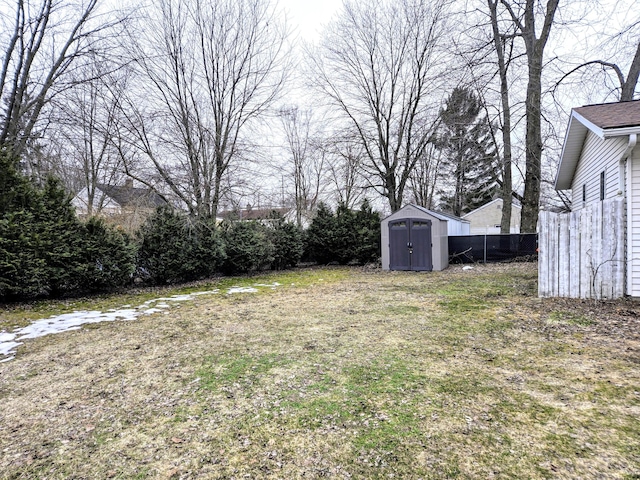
320 237
470 158
247 245
287 242
367 224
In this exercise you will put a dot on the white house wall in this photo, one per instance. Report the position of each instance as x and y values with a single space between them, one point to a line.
597 155
484 219
633 225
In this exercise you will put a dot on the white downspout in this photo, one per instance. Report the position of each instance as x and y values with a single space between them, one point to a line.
625 184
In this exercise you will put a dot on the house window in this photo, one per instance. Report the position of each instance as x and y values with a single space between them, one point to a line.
584 192
601 185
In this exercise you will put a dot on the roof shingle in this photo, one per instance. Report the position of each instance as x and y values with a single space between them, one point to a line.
612 115
126 195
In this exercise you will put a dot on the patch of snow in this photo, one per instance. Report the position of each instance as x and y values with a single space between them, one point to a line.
273 285
241 290
467 267
9 341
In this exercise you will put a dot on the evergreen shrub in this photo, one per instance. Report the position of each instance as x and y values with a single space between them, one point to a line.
109 256
45 249
344 237
320 236
248 247
287 241
175 248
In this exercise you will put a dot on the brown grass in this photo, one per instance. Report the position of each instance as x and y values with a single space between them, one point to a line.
347 373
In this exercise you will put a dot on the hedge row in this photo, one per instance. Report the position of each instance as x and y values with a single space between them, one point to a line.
176 248
45 250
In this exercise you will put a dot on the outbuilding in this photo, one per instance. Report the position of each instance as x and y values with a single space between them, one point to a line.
415 238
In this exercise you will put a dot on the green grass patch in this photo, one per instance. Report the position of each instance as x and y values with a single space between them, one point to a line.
227 370
338 373
569 318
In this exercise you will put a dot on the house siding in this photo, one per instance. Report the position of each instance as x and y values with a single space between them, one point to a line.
633 226
597 155
484 219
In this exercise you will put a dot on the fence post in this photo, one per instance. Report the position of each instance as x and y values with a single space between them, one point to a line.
485 248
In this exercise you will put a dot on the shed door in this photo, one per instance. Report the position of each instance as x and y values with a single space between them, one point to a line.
421 256
399 258
410 245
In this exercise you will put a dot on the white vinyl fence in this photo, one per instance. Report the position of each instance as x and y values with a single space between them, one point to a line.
581 254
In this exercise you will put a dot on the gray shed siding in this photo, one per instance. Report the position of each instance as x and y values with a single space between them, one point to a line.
439 235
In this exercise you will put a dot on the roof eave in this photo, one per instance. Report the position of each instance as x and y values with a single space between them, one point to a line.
572 148
621 131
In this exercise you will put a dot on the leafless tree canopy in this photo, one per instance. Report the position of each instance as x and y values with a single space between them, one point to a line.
307 160
42 41
379 65
206 70
185 95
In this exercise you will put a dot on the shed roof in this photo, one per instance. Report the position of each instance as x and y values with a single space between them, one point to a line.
439 215
606 120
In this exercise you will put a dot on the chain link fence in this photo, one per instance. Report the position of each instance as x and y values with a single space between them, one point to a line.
518 247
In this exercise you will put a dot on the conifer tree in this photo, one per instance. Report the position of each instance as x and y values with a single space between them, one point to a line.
470 160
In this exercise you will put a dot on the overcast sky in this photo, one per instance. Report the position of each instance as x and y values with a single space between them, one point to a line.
307 17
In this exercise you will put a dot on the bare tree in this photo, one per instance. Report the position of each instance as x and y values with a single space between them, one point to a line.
626 45
41 41
344 159
307 159
424 178
84 130
524 14
502 44
378 66
211 68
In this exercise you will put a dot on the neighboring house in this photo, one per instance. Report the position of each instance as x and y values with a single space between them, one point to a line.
117 199
125 205
485 220
600 163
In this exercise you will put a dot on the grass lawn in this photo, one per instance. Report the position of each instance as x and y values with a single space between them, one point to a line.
338 373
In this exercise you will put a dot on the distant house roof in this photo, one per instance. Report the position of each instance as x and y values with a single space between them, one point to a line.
606 120
495 201
126 195
253 213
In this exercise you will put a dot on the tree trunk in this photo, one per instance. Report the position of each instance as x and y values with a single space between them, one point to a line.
533 142
629 87
507 182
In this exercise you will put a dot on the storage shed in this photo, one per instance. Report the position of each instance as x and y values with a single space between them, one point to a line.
414 238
